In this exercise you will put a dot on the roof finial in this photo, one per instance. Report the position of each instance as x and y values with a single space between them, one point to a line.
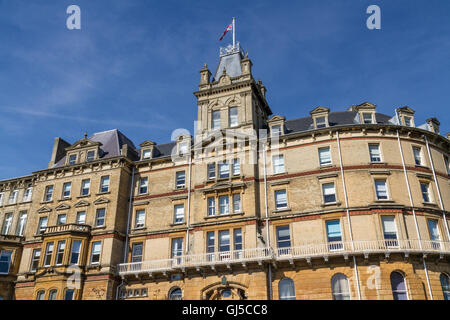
85 135
224 70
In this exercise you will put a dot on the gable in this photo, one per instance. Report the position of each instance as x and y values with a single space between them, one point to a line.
44 209
82 203
62 206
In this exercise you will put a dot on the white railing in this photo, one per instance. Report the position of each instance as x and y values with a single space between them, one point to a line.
67 228
309 250
304 251
197 260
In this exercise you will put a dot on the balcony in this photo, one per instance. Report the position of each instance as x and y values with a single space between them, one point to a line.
67 228
11 238
196 261
306 251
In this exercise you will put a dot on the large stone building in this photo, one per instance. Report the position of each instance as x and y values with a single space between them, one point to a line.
336 205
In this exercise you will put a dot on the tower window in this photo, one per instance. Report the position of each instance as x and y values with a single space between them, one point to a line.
233 116
215 124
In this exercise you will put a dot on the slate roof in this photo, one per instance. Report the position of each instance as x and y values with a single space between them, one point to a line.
112 142
163 150
334 119
231 63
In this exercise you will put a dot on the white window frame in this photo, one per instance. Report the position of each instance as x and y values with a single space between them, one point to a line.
97 217
211 203
319 123
233 119
13 196
224 208
48 196
140 219
323 193
85 185
104 184
278 205
177 217
58 219
49 253
72 252
428 192
7 223
236 167
143 183
178 180
237 203
278 164
21 224
374 155
42 226
69 184
418 156
322 159
60 253
377 192
99 253
79 214
27 194
215 122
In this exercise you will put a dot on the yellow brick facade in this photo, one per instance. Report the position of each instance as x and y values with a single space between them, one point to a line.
173 224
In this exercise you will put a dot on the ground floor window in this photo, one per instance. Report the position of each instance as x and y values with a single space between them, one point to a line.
286 289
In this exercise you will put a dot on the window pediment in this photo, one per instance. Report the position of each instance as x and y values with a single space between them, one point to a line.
101 201
62 206
81 203
44 209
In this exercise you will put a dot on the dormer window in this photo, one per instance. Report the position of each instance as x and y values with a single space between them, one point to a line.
72 159
405 116
408 121
321 122
367 118
233 116
90 156
276 131
276 125
146 154
320 117
215 120
183 148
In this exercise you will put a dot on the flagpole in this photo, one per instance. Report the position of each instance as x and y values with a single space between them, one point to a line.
234 33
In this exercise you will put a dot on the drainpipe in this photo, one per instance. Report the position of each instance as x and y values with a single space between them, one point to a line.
189 204
269 280
437 187
414 212
348 214
125 250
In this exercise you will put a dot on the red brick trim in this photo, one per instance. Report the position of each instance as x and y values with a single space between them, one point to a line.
32 245
102 277
25 284
160 195
161 169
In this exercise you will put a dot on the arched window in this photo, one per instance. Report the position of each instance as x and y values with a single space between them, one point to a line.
339 287
445 283
286 289
40 295
52 294
398 286
175 294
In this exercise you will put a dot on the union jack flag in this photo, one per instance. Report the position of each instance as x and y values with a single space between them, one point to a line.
229 28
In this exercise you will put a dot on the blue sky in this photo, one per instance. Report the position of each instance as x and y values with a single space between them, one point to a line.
135 63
